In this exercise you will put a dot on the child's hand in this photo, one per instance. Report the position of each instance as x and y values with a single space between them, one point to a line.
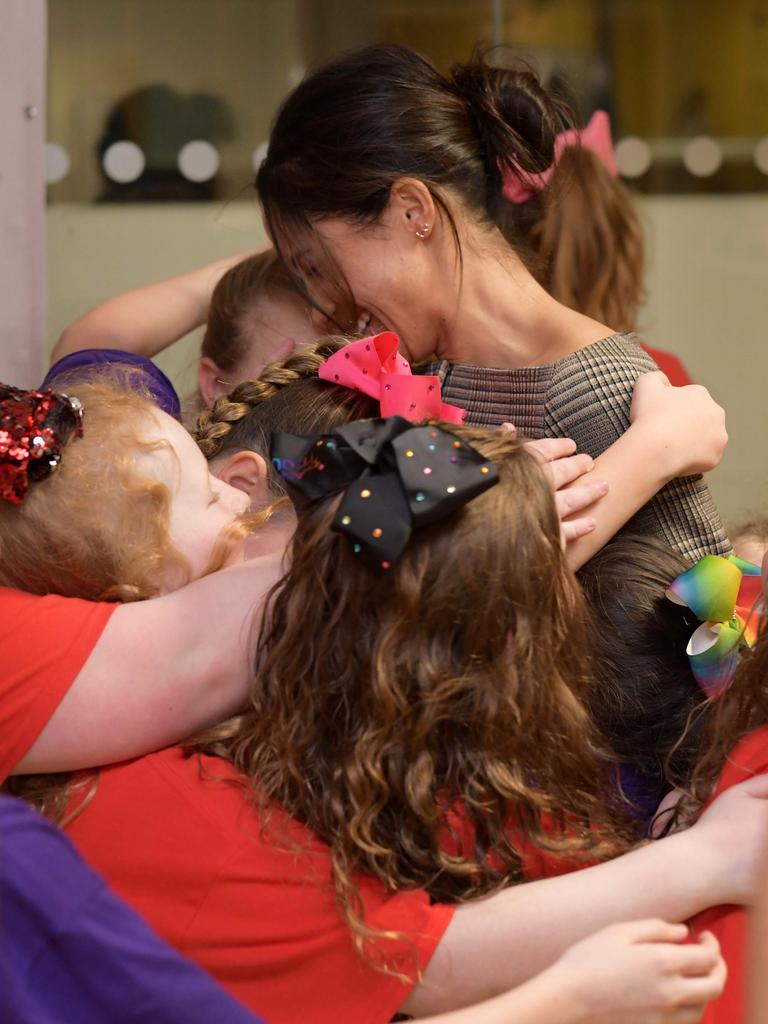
685 427
640 973
564 468
728 842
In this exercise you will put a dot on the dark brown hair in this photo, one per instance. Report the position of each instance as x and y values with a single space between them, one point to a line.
645 698
288 396
349 131
234 326
454 683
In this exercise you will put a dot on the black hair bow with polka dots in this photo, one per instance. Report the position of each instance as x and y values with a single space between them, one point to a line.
396 477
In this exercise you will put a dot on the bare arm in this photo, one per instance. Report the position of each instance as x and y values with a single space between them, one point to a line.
495 944
636 973
149 319
757 983
161 670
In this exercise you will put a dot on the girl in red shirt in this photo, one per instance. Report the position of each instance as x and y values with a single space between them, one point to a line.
733 747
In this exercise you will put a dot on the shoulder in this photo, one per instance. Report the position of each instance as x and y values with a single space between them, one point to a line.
617 354
749 757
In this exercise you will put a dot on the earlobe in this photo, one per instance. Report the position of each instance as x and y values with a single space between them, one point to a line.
247 471
413 206
211 381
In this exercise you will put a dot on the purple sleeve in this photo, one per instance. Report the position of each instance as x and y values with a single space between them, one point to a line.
71 950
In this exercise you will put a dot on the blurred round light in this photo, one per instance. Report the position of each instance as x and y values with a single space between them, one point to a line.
259 154
761 155
198 160
702 156
633 156
296 73
123 162
56 162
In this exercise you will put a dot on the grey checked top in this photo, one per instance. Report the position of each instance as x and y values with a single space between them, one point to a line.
587 396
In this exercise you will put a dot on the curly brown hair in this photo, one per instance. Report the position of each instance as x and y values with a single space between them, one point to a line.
456 682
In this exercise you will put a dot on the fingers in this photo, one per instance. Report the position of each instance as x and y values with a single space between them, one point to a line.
565 470
508 430
547 449
692 960
653 929
652 380
576 528
699 991
664 813
575 499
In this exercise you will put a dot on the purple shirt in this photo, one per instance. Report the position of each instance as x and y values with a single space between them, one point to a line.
71 952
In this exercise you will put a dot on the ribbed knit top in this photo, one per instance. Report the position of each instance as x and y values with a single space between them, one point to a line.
587 396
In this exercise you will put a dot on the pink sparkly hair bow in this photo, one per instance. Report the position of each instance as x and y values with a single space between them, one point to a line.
519 185
374 366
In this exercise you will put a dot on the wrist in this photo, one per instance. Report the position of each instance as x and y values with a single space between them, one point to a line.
659 459
560 993
698 867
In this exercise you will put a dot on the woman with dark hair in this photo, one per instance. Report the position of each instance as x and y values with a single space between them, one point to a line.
384 192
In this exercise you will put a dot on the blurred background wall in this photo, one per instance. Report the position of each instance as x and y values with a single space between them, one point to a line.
685 81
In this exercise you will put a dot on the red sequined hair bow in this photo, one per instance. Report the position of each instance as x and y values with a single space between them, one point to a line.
34 428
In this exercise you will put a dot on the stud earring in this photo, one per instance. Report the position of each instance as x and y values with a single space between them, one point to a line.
423 231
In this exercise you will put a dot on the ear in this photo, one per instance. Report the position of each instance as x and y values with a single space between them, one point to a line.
209 379
247 471
412 208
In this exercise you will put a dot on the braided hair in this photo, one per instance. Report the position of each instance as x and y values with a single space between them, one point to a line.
286 396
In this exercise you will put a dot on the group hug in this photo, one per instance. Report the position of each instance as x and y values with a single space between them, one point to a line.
406 670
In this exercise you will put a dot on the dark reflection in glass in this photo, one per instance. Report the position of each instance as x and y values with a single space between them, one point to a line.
160 121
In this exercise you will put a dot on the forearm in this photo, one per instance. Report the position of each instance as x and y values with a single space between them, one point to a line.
634 475
543 1000
147 320
162 670
496 944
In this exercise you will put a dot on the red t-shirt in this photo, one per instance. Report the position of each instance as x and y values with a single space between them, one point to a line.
175 837
44 642
671 365
730 924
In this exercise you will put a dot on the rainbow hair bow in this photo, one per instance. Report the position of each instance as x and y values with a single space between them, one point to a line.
518 185
374 366
721 592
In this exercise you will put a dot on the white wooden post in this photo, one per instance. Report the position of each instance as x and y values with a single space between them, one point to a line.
23 49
